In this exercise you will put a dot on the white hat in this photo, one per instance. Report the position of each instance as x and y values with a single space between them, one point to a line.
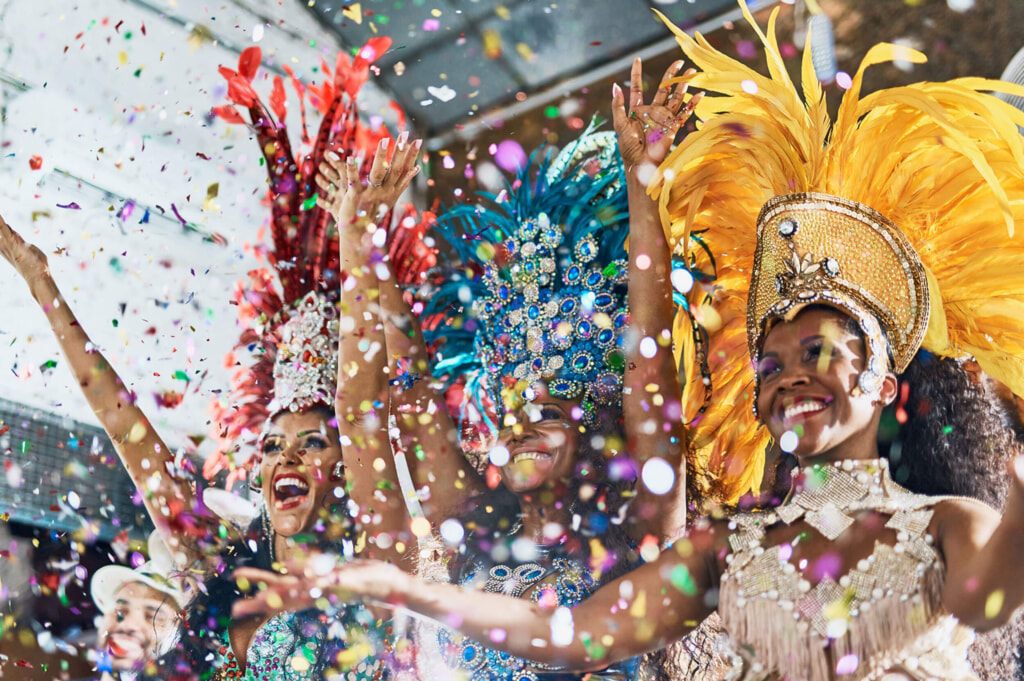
156 573
233 508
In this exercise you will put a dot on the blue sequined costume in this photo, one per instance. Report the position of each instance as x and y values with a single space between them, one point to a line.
539 297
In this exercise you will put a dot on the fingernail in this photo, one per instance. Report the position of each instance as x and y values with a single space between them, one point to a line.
403 138
637 61
417 144
616 91
331 155
678 65
384 143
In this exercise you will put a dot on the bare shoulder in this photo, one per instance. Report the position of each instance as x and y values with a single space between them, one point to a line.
963 519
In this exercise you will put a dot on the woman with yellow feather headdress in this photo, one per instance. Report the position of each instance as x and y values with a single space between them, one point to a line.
852 244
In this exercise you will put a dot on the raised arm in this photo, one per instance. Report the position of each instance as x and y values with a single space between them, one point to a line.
644 610
983 555
428 436
651 400
168 499
362 402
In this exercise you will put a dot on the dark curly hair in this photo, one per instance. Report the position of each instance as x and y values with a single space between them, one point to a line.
956 439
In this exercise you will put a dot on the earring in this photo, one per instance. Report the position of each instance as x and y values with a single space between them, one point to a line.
338 472
268 532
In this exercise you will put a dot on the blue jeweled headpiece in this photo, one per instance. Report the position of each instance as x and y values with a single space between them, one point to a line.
546 297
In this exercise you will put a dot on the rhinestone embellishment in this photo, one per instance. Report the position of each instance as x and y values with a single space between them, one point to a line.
788 228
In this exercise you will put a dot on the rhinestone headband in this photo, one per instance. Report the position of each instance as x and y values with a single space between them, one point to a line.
306 365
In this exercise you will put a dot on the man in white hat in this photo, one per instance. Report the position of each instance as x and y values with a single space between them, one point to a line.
140 611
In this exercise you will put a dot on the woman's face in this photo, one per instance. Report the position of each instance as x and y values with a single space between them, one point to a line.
300 453
808 370
542 439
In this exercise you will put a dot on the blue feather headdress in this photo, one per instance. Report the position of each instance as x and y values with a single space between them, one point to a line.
541 294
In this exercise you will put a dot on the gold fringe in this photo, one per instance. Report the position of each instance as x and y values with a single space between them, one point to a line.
875 636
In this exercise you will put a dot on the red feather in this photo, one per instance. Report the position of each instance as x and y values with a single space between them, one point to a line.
249 62
241 93
229 114
374 48
277 100
303 255
342 69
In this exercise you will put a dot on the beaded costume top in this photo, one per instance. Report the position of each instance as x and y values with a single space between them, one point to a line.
557 580
808 620
310 645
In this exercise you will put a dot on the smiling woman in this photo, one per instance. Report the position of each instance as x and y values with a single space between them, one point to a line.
301 469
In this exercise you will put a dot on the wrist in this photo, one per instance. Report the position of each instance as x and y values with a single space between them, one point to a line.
43 288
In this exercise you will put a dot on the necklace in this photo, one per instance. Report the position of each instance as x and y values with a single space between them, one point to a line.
891 597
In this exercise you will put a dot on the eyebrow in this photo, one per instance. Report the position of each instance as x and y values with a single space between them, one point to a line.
309 432
556 405
811 339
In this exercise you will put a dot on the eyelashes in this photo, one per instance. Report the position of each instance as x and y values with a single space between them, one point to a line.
277 445
812 353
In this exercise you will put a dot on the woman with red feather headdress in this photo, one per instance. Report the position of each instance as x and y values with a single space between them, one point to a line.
287 398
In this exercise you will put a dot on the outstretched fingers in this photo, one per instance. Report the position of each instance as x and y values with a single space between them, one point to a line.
380 167
636 84
662 95
675 102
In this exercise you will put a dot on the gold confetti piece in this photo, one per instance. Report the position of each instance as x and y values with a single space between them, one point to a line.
502 12
354 12
492 43
138 432
994 604
122 57
243 584
639 607
526 52
274 601
300 664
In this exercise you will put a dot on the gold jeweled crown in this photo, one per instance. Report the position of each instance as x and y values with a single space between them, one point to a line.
819 249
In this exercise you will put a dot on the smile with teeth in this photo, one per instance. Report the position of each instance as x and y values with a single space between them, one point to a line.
805 406
289 490
530 456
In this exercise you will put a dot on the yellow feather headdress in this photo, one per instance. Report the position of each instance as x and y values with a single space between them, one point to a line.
942 163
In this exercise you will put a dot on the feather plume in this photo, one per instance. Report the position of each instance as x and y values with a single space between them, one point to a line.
304 256
943 161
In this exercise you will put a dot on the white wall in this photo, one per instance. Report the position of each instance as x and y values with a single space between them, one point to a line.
86 112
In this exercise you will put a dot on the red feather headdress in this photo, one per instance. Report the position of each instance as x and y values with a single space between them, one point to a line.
304 254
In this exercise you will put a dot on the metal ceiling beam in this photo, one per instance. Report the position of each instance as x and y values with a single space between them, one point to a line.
559 90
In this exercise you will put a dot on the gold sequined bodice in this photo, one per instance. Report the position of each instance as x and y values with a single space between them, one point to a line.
819 615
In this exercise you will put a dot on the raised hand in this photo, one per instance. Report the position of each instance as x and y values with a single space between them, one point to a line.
348 198
646 131
29 261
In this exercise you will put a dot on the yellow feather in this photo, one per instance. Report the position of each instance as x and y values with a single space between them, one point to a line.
943 161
